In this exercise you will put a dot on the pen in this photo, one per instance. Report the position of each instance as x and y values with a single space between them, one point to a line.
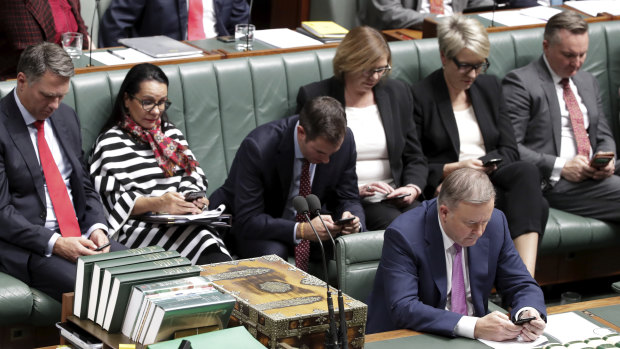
115 54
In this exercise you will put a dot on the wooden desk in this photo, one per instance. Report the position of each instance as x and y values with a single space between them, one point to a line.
402 34
582 306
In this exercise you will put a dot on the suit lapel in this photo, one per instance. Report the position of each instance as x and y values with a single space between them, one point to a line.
385 112
435 249
588 98
552 101
286 154
446 114
483 115
42 13
478 272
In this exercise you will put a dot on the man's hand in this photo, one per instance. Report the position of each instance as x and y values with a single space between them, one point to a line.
100 238
577 169
496 327
308 234
605 172
73 247
533 329
351 227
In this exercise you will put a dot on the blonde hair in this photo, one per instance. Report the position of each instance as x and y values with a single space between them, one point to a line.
458 32
360 50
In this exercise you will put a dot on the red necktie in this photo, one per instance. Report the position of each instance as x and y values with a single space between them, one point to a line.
302 250
65 214
458 298
576 120
436 6
195 29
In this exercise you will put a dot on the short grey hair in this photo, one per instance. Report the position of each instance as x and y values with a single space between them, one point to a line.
569 20
458 32
466 185
42 57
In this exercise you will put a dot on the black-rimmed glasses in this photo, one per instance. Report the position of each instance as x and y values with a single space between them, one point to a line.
149 105
381 71
465 68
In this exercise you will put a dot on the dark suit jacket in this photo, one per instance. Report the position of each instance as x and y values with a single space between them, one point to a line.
22 195
27 22
438 131
411 283
534 109
135 18
395 106
259 180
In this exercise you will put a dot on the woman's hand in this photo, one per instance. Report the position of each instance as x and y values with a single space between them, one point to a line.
174 203
407 200
375 187
476 164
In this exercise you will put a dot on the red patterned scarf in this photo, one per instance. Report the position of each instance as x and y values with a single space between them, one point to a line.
168 152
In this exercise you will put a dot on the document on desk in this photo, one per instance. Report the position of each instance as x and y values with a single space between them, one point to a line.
540 12
593 8
511 18
284 38
128 56
567 327
515 343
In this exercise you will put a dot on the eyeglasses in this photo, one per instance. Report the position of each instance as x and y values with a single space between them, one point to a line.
149 105
465 68
381 71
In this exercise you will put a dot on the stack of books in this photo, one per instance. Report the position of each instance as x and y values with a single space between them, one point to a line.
148 293
324 31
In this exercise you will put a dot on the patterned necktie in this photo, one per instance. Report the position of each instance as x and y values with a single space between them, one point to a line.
436 7
459 303
195 29
576 120
302 250
63 208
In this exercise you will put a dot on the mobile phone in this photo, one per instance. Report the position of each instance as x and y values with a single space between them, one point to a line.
600 160
102 246
523 320
492 162
226 38
78 337
396 197
194 195
343 221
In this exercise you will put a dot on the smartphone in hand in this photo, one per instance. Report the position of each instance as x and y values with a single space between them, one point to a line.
492 162
523 320
194 195
343 221
396 197
600 160
102 247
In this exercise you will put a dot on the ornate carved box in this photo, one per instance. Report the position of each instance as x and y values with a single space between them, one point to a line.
277 302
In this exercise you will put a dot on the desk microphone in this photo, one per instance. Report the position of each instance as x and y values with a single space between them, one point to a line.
301 206
315 207
92 25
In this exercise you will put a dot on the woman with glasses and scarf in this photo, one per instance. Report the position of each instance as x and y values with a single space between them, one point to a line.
390 166
462 121
141 164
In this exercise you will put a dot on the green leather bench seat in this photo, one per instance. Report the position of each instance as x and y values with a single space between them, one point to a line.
217 103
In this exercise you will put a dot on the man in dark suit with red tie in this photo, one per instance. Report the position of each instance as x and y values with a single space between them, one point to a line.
50 213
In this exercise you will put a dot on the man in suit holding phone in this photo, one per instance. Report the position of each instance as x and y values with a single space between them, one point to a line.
560 125
309 153
49 211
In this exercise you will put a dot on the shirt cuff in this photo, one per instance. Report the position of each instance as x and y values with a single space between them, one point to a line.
50 244
524 309
296 241
466 326
419 191
557 170
95 227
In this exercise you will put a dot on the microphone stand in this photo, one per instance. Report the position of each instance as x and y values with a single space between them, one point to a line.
315 205
92 26
247 32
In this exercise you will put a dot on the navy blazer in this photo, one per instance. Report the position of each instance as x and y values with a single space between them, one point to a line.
395 104
438 131
410 288
259 180
22 195
136 18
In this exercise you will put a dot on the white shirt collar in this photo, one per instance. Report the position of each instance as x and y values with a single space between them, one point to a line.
28 118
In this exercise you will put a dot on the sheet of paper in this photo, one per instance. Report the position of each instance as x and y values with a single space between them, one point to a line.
568 327
284 38
540 12
190 217
595 7
130 56
511 18
515 343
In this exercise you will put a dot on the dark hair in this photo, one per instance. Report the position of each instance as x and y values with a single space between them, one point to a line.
569 20
323 117
131 86
42 57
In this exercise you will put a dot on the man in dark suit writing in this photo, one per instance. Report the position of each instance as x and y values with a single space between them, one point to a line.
440 262
49 212
309 153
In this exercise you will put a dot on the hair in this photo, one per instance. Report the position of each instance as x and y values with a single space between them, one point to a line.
323 117
466 185
40 58
568 20
131 86
360 50
458 32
